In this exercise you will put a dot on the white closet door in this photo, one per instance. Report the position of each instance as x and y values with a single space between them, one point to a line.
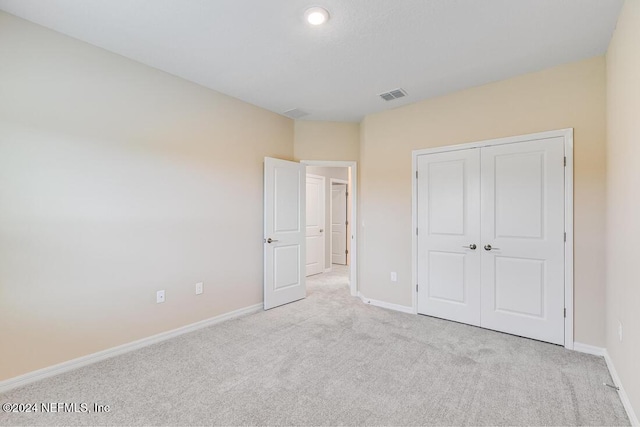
523 239
449 226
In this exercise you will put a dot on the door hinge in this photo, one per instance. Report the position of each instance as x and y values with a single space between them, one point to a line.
416 174
346 194
416 231
565 312
416 287
346 251
565 236
565 161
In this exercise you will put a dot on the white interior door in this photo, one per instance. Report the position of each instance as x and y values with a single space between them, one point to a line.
449 235
315 224
284 232
339 223
523 239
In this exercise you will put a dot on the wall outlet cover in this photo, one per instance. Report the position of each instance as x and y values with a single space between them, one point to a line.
199 288
159 297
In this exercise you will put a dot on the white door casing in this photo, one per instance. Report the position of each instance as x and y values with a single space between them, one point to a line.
315 223
284 232
448 206
338 223
522 199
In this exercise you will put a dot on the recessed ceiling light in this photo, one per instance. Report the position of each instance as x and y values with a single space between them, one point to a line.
316 15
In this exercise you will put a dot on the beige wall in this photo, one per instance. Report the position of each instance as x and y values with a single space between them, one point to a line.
328 173
571 95
117 180
326 141
623 200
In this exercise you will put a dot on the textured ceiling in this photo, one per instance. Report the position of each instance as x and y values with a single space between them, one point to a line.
264 53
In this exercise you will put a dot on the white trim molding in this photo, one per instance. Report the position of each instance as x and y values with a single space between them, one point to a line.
388 305
633 418
589 349
567 134
568 244
602 352
89 359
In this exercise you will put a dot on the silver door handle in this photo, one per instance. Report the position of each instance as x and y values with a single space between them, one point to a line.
270 240
471 246
321 230
488 248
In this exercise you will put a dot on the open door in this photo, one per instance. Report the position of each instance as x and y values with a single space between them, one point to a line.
284 232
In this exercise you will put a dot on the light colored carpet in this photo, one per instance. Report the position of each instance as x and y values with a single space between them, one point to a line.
332 360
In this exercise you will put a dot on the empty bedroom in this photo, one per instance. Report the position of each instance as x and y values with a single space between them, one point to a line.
364 212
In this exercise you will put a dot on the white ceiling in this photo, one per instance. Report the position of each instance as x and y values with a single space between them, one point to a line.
262 51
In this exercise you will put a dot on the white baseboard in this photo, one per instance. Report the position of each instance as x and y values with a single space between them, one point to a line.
589 349
599 351
70 365
383 304
623 394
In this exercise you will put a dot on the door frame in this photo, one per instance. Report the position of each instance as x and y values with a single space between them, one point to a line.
324 214
353 265
567 135
331 182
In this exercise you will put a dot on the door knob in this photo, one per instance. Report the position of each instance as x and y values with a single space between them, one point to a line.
488 248
270 240
471 246
321 230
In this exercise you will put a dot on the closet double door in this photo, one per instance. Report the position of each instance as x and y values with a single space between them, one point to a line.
491 237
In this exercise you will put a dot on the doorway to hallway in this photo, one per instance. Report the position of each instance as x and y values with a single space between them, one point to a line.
339 218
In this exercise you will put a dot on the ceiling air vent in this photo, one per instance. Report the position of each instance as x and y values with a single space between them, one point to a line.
295 113
393 94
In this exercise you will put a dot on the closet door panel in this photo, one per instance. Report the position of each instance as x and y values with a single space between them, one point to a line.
522 254
448 228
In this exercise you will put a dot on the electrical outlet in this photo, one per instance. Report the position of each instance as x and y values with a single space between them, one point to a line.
199 288
394 276
620 330
159 297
